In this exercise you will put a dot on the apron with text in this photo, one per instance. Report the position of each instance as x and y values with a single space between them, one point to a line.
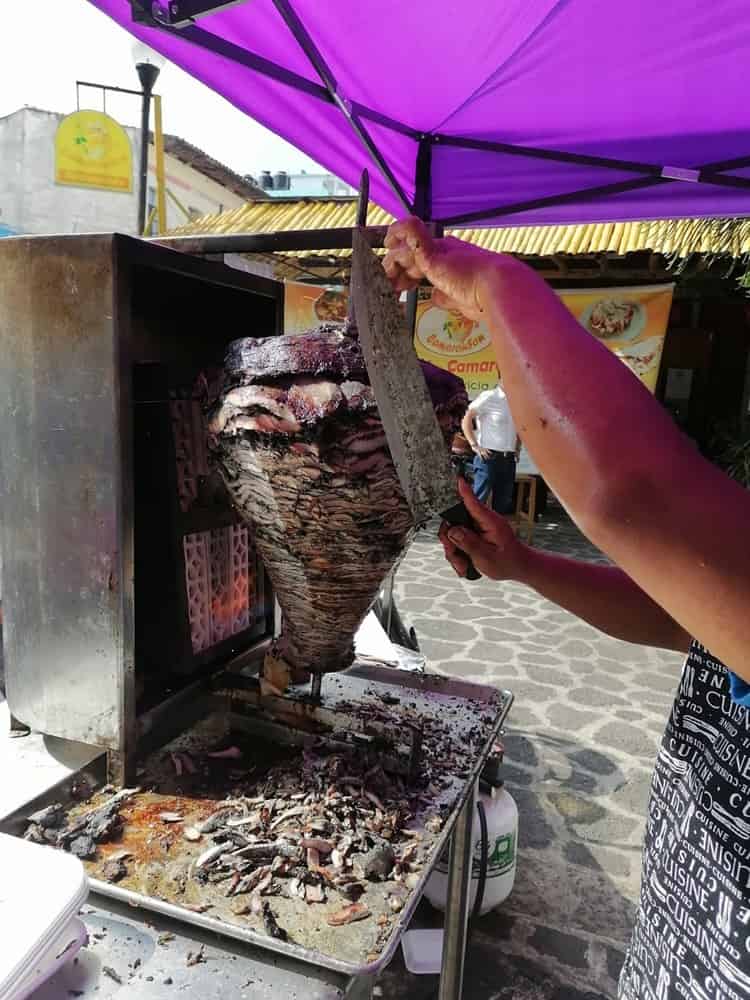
692 930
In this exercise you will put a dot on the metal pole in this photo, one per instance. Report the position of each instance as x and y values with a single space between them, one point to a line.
361 222
299 239
387 598
106 86
150 219
147 74
182 209
161 192
412 300
412 296
457 904
143 170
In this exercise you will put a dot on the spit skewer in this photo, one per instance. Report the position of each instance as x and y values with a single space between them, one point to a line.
362 205
364 197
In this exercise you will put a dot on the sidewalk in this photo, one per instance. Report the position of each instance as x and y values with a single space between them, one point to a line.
580 743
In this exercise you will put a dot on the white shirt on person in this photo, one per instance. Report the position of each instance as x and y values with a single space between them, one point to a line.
495 428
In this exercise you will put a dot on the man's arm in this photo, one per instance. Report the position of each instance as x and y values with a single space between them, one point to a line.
634 484
603 596
467 428
636 487
468 425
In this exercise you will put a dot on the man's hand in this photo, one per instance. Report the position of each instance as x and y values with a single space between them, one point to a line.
483 453
454 268
494 549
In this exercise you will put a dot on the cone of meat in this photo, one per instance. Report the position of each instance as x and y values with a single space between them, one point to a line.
297 437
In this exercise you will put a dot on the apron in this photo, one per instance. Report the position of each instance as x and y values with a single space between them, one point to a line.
692 931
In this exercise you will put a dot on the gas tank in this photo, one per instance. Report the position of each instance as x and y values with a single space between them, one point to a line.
502 834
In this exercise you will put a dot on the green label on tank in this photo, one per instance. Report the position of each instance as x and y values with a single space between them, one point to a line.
501 857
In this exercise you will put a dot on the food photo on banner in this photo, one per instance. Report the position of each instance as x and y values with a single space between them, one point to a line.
306 306
631 322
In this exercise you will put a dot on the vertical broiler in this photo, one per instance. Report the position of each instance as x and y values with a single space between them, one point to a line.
140 616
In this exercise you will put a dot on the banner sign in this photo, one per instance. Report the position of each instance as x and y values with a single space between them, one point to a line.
93 151
306 306
631 322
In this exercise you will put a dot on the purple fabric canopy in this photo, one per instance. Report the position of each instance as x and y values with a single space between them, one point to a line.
504 112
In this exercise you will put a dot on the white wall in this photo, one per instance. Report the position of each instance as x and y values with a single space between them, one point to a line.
11 170
314 186
31 202
193 189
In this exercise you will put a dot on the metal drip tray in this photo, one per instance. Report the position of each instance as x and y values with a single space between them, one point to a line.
459 724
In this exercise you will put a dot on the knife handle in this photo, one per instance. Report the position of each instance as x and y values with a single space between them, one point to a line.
459 517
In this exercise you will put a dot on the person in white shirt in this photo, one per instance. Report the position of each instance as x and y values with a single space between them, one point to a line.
488 427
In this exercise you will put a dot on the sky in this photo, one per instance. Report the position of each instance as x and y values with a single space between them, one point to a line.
46 45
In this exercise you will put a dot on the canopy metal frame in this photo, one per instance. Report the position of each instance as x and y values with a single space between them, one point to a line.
358 115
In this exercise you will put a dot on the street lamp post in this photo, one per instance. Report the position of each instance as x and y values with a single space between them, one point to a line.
148 71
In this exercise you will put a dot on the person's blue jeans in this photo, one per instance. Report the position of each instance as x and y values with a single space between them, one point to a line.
495 475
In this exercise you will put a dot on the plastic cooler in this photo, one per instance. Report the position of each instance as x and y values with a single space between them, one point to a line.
41 891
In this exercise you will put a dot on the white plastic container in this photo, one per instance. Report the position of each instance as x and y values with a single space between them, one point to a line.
502 834
41 891
63 950
423 951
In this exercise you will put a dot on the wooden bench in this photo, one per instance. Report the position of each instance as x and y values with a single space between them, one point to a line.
524 516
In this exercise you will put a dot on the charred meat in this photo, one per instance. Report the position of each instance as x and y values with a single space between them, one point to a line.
297 437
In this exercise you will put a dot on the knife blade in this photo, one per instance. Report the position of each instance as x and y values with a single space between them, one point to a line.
412 430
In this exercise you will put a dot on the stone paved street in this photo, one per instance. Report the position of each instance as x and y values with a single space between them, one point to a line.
580 742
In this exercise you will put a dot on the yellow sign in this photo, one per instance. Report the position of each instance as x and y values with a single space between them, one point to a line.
631 322
93 151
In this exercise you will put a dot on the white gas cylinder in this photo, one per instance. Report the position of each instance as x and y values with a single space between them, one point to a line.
502 835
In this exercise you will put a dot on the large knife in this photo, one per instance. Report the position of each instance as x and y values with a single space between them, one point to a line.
414 437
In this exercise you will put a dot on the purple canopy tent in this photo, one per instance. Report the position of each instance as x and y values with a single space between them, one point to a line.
481 112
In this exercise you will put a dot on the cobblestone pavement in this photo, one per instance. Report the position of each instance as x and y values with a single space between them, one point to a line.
580 743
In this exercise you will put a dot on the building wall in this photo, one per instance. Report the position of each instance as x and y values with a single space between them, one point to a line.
198 194
311 186
11 171
49 208
31 202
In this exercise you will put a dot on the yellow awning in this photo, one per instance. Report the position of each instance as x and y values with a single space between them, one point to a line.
680 237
